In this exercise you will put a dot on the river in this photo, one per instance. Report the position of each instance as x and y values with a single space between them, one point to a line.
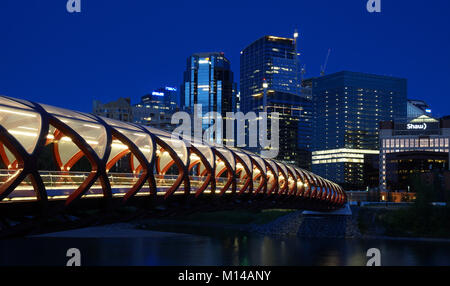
147 248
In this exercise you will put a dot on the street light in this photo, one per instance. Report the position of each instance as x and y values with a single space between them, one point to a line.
265 85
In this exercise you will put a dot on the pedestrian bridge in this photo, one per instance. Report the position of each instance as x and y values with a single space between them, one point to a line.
49 153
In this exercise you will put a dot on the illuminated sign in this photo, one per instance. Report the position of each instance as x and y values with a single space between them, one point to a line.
204 61
411 126
156 93
171 88
428 110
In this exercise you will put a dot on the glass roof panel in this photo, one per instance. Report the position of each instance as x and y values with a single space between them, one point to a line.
23 124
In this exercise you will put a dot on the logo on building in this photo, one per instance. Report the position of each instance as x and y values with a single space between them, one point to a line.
411 126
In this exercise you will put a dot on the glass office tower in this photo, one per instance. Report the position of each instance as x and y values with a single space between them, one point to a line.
208 80
273 62
348 107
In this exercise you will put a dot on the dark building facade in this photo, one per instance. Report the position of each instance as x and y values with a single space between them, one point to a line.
348 107
270 81
403 167
119 109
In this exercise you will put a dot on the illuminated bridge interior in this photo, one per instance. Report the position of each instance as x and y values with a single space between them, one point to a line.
49 153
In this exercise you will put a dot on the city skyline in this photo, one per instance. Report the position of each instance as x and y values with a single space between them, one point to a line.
90 56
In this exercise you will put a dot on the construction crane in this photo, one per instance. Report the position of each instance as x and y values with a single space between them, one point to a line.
324 67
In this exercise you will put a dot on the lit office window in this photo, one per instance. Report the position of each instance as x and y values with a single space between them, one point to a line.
424 142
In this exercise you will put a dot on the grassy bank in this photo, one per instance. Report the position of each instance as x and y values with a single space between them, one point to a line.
215 223
412 221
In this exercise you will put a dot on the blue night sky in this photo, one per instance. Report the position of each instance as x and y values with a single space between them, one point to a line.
127 48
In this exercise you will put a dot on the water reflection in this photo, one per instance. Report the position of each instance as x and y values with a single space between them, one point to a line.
223 249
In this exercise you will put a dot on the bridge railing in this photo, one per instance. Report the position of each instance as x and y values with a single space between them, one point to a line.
60 184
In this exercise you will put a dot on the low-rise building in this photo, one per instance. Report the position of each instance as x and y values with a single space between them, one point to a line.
412 146
119 109
156 109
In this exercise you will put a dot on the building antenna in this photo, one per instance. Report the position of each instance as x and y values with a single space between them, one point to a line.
297 84
324 67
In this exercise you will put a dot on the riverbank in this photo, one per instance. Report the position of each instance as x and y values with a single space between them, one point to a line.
275 223
414 222
280 223
364 223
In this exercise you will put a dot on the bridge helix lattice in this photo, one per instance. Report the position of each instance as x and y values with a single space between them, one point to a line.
42 148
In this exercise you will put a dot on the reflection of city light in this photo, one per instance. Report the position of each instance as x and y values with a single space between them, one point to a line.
194 157
28 128
18 113
119 146
23 133
92 126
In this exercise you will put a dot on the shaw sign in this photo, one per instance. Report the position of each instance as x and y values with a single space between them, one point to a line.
422 126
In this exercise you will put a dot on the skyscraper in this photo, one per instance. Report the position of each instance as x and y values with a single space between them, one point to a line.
208 80
348 107
270 81
272 60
